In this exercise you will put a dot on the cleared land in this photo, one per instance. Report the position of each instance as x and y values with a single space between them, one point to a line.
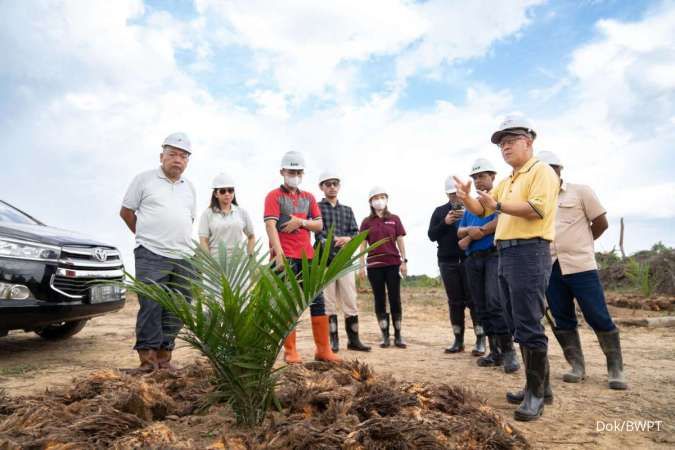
29 365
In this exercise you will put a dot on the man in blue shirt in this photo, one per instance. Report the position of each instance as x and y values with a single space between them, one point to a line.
476 236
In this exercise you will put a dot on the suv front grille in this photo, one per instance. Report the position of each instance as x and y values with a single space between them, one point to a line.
90 257
80 267
76 286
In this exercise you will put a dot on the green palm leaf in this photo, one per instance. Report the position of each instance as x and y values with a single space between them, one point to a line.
241 310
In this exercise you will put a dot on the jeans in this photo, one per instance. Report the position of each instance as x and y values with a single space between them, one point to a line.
481 271
456 285
386 281
157 328
587 289
524 271
317 307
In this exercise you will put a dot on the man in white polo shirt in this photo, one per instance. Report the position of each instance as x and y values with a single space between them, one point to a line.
159 208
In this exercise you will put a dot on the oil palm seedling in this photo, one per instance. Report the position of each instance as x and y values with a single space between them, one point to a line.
240 311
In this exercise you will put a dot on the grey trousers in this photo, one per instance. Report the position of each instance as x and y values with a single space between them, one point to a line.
157 328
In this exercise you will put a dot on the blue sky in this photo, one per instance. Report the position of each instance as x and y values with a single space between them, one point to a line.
389 92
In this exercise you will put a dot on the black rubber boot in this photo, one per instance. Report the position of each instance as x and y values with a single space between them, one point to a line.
494 358
571 346
333 333
479 348
536 365
458 345
515 398
353 341
611 347
508 353
398 339
383 321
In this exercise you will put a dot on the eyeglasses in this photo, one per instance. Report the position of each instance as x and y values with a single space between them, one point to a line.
510 140
331 183
223 191
178 155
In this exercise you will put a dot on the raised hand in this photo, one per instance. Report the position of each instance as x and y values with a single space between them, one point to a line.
463 188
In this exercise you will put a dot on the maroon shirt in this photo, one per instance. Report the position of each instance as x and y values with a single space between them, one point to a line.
379 228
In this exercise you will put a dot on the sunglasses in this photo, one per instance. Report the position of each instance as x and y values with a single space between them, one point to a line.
331 183
223 191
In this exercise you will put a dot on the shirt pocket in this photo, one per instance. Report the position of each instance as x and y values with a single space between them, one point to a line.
568 211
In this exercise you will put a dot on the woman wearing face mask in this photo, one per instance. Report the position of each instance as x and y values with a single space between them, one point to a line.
224 223
385 263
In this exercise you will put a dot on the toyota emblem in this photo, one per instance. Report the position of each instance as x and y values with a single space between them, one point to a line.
100 254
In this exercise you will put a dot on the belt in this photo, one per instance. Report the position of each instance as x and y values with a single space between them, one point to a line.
484 253
506 243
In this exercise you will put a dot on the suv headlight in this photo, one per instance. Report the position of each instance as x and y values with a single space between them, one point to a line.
28 250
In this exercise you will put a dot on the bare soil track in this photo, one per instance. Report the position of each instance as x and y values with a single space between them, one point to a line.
578 418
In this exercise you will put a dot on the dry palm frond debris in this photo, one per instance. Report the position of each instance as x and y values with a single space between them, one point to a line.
323 406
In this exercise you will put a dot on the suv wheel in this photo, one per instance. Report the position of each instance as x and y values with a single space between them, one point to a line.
61 330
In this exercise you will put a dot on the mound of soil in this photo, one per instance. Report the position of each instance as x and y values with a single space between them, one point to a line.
323 406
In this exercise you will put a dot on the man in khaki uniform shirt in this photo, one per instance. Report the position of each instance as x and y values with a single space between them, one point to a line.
580 220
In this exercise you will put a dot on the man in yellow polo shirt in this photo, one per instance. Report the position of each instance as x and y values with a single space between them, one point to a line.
526 202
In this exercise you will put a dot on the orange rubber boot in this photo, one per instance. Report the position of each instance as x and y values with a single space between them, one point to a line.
320 332
290 353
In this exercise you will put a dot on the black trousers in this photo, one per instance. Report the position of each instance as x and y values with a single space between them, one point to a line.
481 270
456 285
386 282
318 305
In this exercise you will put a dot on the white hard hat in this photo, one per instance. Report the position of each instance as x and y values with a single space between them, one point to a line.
222 180
377 190
293 160
178 140
482 165
513 125
549 158
450 185
328 175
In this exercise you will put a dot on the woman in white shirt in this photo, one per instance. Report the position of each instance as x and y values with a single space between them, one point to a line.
224 222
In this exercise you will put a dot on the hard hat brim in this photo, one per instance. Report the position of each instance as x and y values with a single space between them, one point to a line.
376 194
323 180
451 191
475 172
177 147
293 167
498 135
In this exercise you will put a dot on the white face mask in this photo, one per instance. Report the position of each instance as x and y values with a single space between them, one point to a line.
379 204
293 181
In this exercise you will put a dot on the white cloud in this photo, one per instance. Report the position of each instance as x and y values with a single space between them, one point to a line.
462 30
303 42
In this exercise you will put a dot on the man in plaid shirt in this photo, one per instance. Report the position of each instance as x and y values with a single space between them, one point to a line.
342 290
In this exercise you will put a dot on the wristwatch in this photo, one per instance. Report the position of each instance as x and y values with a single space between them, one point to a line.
303 224
405 260
498 208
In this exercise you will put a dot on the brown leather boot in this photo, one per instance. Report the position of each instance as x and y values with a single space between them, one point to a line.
320 332
164 360
148 358
291 355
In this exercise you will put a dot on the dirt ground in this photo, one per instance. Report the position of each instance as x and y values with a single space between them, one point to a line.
581 416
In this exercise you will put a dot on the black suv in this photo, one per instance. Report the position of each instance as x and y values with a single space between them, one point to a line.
50 279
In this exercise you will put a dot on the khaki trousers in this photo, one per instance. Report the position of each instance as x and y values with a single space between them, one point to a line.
343 292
